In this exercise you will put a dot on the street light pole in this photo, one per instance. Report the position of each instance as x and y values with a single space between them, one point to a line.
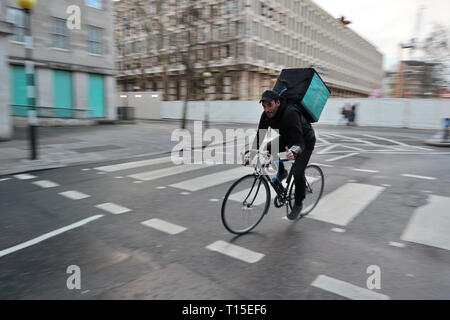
27 6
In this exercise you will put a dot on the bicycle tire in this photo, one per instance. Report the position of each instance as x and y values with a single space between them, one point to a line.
310 202
238 190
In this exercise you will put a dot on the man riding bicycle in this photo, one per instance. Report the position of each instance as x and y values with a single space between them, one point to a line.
297 138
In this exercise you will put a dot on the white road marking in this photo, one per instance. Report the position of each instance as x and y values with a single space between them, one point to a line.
346 289
74 195
161 187
397 244
338 230
101 172
86 169
137 181
164 226
24 176
157 174
418 177
118 177
344 204
342 157
398 142
323 165
235 251
133 164
5 179
46 184
366 170
214 200
214 179
356 139
327 149
112 208
430 224
48 235
386 185
184 193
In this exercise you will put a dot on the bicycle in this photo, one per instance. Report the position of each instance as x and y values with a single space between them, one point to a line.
248 199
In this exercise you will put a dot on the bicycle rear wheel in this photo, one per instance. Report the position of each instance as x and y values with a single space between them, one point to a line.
313 189
245 204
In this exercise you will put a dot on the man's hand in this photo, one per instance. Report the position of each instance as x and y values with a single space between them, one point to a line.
246 159
290 156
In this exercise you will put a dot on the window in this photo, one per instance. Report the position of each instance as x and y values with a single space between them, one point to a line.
94 40
255 28
94 3
60 34
17 17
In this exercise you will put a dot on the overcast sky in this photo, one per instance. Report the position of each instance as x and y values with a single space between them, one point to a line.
385 23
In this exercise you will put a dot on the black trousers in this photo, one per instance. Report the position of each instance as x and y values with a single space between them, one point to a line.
298 168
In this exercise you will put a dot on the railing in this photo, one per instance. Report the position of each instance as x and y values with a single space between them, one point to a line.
49 112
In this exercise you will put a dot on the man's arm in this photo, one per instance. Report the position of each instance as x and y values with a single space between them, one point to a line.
295 129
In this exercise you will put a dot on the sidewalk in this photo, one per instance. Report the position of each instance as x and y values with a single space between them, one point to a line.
66 146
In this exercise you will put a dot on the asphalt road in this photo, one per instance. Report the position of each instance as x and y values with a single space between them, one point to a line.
384 208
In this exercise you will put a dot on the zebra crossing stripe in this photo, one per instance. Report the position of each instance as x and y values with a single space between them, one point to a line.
346 289
162 173
214 179
236 252
430 223
341 206
133 164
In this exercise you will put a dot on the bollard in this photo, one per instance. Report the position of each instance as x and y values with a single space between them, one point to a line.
445 133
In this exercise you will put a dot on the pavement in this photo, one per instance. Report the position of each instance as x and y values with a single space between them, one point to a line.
75 145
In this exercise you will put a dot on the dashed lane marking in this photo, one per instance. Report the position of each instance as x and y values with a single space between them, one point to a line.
164 226
74 195
236 252
346 289
46 184
112 208
24 176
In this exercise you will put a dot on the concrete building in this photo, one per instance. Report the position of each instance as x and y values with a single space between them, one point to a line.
73 52
244 44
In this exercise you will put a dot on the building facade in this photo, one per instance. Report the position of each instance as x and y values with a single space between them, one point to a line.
243 44
73 54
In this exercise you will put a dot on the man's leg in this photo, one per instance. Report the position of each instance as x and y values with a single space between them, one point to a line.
299 172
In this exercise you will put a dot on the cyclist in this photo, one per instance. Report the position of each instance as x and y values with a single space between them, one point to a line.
297 138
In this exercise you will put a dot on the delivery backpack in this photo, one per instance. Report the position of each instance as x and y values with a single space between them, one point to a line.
305 89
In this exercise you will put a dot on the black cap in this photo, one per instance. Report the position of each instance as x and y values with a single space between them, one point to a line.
269 95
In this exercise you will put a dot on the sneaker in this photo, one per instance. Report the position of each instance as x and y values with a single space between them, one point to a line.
295 213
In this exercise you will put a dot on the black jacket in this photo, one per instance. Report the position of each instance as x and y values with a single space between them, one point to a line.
293 127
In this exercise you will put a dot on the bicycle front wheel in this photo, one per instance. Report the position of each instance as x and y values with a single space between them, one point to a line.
245 204
314 184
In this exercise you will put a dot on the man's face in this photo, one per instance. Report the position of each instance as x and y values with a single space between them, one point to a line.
271 108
